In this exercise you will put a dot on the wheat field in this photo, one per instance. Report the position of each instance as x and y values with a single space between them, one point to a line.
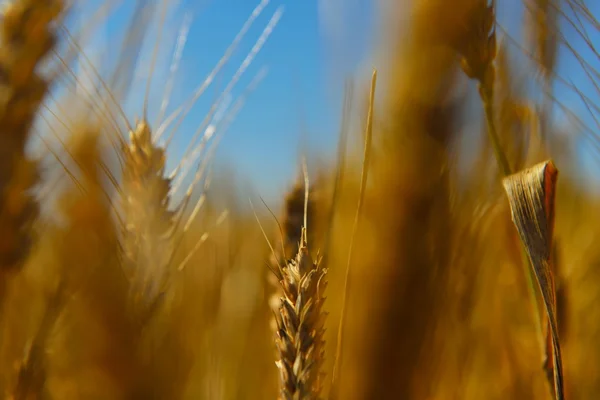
447 251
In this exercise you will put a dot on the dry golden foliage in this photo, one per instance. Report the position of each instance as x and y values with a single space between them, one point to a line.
531 194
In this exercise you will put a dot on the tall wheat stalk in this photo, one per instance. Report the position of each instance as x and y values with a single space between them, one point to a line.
363 183
477 62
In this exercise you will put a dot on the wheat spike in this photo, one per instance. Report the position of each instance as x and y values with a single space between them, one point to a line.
26 36
544 25
148 224
300 333
300 319
291 233
478 52
544 29
479 48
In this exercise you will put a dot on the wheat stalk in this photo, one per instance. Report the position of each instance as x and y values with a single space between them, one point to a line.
513 110
32 372
478 63
363 183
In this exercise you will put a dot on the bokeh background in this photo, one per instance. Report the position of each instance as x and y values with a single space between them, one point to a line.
438 306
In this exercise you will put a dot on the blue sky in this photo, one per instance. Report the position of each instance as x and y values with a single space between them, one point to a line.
572 111
308 56
313 48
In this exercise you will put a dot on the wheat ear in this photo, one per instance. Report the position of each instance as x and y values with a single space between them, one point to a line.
478 54
290 233
148 223
26 36
544 25
300 319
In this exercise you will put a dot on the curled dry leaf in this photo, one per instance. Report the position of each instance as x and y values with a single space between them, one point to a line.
531 195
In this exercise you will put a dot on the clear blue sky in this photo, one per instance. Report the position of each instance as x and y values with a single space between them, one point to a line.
309 54
315 46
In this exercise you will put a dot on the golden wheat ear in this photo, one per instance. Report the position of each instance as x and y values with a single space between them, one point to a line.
290 234
27 35
299 337
544 26
300 321
478 52
531 194
147 236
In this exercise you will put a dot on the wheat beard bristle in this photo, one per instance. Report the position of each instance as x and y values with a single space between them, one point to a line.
26 37
299 338
148 223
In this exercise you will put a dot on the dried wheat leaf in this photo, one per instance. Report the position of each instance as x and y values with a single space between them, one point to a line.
531 195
